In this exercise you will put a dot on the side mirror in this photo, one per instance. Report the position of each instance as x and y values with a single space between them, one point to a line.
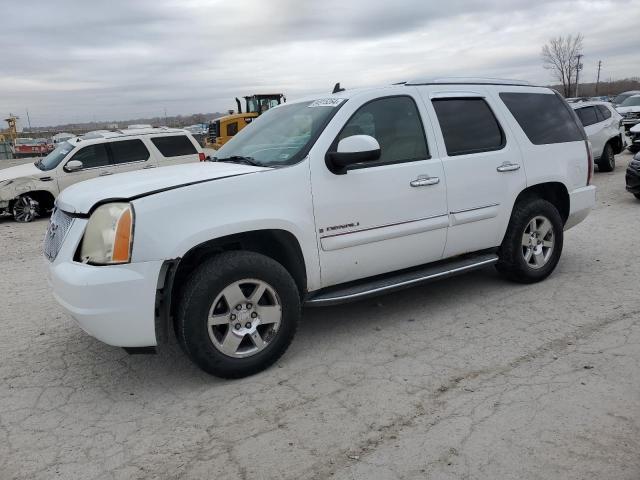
352 150
73 165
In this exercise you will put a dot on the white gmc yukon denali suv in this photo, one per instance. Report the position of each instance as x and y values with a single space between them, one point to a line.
320 201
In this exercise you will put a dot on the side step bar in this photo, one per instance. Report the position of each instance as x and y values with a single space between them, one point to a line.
398 280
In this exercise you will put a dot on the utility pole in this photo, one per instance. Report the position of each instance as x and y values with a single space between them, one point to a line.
598 80
165 117
28 119
578 68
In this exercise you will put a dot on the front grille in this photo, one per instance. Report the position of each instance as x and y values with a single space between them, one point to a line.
59 225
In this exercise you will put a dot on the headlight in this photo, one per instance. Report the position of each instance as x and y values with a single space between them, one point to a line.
109 235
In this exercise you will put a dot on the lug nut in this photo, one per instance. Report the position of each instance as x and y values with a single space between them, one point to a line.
254 315
249 306
233 317
247 325
238 307
238 326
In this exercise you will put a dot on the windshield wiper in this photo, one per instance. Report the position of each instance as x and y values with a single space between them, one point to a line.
239 159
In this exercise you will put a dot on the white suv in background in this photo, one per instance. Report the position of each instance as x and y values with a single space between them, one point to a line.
604 128
31 189
320 201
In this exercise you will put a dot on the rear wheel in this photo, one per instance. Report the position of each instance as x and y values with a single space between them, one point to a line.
607 161
238 314
24 209
532 245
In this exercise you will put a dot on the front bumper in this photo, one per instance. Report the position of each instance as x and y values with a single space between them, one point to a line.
114 303
582 200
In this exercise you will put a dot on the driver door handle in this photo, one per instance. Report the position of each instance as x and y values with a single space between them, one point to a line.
508 167
149 166
105 173
424 181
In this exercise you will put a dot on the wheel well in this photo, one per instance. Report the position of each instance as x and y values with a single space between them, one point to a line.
45 199
280 245
554 192
616 144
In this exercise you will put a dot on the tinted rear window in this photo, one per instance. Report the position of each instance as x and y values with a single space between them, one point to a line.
468 125
128 151
544 118
174 146
587 115
604 111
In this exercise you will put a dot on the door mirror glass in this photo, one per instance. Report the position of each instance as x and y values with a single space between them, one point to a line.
73 165
354 149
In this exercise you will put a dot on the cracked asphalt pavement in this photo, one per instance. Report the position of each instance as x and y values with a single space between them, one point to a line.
468 378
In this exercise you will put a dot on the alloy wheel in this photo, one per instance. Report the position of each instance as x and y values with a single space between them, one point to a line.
24 209
538 241
244 318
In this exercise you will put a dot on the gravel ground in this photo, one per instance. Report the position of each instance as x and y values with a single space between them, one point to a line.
471 377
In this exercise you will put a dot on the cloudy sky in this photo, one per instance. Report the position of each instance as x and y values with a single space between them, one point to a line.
80 60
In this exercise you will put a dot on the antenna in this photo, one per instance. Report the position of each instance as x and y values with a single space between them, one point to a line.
337 88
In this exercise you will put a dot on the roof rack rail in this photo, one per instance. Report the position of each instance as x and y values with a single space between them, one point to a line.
468 81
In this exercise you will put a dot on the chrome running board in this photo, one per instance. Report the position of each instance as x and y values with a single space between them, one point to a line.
390 282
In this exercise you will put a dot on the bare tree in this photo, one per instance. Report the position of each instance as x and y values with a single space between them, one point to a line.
561 56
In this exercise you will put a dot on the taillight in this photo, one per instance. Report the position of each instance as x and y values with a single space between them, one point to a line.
201 156
590 163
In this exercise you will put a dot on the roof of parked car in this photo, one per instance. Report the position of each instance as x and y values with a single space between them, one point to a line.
130 132
590 103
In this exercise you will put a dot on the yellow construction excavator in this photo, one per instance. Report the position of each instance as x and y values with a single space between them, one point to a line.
222 129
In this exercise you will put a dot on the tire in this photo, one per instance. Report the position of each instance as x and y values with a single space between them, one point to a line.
523 263
228 347
607 161
637 195
24 209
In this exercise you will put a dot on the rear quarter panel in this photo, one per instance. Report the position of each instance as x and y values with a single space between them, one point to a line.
559 162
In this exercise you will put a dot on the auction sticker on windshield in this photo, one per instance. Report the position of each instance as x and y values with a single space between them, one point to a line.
326 102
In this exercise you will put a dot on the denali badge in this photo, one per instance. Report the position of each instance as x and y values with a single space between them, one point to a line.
339 227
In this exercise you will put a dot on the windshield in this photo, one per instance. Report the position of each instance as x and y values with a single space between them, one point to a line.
631 101
283 135
52 160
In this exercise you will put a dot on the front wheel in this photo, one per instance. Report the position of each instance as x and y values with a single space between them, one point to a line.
607 161
532 245
24 209
238 314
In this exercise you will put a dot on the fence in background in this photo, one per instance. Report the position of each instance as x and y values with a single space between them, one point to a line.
5 151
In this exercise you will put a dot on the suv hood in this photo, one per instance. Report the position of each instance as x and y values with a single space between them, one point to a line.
81 197
623 110
20 171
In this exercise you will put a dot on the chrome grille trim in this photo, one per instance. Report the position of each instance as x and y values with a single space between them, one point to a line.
59 226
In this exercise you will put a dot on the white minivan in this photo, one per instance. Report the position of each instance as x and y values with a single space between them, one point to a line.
31 189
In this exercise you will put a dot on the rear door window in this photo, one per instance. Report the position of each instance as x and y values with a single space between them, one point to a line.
93 156
587 115
604 111
468 125
128 151
543 117
174 146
